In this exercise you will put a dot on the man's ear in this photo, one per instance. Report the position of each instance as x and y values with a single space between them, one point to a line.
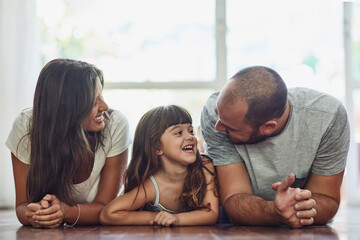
268 128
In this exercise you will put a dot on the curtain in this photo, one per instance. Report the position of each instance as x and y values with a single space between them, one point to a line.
19 67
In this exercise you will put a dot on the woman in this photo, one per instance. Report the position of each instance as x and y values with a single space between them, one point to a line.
69 152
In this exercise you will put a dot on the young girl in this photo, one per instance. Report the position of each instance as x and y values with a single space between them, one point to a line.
167 179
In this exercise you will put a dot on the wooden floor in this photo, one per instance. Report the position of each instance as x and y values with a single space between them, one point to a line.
346 226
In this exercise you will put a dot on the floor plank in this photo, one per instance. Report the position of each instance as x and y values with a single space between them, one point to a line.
345 226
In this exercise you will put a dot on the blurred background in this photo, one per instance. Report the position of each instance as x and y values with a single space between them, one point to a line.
179 52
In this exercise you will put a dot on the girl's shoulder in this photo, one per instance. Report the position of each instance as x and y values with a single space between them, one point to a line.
207 163
206 160
147 191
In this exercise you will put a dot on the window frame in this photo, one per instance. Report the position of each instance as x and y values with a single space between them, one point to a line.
220 59
351 179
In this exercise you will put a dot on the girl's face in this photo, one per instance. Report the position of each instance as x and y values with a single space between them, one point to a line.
95 121
179 144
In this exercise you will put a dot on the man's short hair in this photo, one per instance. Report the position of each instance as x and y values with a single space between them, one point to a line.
265 92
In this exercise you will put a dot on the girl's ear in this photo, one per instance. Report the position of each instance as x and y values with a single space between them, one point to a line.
159 152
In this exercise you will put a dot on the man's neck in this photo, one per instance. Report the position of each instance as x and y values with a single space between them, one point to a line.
282 121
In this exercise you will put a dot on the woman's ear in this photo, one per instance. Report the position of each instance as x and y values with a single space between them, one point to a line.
159 152
268 128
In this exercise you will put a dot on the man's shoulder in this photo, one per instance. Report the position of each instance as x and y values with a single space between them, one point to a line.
307 98
209 107
212 98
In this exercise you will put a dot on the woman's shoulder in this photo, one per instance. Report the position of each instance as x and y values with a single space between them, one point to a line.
18 140
117 121
23 121
116 116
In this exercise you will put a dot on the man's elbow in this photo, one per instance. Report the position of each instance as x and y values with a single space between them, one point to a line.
230 211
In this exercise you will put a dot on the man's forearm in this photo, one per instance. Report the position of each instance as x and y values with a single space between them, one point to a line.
326 208
248 209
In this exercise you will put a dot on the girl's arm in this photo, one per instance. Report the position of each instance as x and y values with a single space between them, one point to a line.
50 212
123 209
196 217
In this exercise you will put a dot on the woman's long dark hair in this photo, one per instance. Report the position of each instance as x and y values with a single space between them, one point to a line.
64 97
145 162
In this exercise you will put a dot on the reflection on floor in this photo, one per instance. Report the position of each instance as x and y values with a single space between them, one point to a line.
346 225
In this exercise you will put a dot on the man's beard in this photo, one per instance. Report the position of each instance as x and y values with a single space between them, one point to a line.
255 137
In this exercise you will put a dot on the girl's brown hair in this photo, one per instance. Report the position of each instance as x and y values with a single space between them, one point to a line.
145 162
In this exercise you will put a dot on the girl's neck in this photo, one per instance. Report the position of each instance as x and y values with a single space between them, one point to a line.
173 175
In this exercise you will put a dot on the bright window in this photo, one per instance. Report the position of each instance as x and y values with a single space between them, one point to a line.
133 41
302 40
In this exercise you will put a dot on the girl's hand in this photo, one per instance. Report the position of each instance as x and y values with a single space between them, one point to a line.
51 214
31 212
164 219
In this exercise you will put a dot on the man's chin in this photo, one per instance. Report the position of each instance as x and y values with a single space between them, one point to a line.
249 142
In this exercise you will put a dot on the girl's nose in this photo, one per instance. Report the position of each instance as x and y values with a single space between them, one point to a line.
190 135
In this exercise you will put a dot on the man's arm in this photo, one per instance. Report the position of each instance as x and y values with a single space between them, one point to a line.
244 208
326 192
327 172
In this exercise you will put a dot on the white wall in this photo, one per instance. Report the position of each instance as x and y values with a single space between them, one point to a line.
19 69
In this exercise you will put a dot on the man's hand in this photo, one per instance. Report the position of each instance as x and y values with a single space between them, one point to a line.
285 201
294 205
305 207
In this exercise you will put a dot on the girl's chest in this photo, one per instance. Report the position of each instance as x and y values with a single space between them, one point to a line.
169 196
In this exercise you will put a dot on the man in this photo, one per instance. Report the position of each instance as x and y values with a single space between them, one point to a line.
259 133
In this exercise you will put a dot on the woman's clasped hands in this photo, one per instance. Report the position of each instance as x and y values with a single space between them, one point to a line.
48 213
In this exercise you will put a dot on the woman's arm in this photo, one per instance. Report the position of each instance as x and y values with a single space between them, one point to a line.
196 217
53 212
108 189
123 209
24 210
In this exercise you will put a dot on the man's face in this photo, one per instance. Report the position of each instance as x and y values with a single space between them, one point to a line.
232 121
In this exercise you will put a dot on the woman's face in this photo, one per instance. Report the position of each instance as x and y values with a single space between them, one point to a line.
95 121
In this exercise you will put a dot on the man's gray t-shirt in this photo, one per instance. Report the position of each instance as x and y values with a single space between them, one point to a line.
315 139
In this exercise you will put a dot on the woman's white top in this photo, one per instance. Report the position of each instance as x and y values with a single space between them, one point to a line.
116 140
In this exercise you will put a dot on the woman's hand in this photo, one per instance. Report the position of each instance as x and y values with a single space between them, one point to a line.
31 210
51 214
